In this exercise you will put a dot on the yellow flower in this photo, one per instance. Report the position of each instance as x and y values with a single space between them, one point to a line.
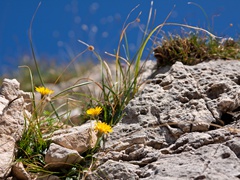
102 127
94 111
43 90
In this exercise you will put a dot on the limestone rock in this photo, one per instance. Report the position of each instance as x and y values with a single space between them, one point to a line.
234 145
12 122
19 171
7 145
213 161
201 163
116 170
12 105
3 103
27 96
219 83
79 138
12 119
184 124
194 140
10 89
58 156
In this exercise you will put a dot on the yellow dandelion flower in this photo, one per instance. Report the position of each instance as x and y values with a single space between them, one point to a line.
102 127
43 90
94 111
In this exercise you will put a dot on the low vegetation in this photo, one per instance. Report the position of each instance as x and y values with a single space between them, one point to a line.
195 48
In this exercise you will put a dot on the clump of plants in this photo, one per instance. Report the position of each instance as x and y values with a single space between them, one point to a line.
195 48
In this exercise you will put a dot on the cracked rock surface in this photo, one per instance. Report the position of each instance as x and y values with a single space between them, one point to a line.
184 124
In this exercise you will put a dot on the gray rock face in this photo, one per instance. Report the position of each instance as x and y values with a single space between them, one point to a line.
214 161
183 125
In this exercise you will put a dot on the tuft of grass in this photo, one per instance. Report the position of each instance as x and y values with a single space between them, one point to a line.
119 87
195 48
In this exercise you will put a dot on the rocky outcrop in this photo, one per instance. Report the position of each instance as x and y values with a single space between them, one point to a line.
12 106
184 124
12 109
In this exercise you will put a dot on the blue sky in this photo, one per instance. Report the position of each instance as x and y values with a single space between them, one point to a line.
59 24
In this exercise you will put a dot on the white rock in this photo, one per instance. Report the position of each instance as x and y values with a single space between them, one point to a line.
10 89
12 122
12 119
7 145
3 103
79 138
58 156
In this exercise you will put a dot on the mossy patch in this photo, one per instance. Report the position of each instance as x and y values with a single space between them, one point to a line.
194 49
